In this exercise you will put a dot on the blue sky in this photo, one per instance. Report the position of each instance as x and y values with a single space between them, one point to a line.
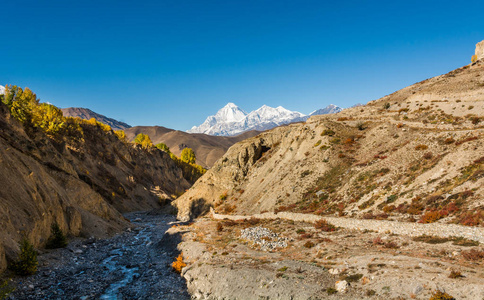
173 63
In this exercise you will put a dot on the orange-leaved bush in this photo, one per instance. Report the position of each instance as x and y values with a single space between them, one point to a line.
178 264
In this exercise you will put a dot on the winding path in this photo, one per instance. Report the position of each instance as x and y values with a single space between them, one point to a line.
383 226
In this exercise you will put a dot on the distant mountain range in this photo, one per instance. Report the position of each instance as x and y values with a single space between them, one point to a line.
85 113
232 120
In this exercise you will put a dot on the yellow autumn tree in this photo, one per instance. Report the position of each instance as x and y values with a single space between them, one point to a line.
188 156
143 140
474 58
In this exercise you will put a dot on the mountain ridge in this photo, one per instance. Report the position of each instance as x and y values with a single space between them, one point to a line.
261 119
86 113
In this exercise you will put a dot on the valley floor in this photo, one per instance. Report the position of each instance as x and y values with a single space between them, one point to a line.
135 264
235 259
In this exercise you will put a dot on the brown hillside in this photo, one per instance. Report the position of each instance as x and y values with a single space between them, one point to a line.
82 182
86 114
416 154
208 149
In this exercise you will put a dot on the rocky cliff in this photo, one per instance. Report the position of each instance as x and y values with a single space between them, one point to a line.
416 154
83 183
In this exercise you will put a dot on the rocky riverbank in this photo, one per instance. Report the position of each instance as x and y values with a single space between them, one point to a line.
135 264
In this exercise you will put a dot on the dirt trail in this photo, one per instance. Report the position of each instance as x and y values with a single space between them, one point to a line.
410 229
132 265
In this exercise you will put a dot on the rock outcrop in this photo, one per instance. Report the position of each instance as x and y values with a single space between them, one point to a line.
83 184
480 50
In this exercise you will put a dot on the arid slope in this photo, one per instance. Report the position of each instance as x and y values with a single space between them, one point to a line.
416 154
84 183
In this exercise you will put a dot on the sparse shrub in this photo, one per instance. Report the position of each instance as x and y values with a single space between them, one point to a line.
421 147
5 290
475 120
300 231
253 221
391 245
430 239
471 138
389 208
327 132
26 263
178 264
223 196
283 269
361 126
438 295
474 58
473 254
304 236
331 291
349 141
430 217
455 274
317 143
323 225
399 125
428 155
343 119
220 227
460 241
57 238
386 105
377 241
353 277
449 141
470 107
309 244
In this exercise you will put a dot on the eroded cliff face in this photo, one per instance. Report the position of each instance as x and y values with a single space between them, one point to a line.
84 185
414 154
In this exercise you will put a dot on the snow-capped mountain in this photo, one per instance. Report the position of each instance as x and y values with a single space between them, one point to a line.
2 90
330 109
231 120
230 113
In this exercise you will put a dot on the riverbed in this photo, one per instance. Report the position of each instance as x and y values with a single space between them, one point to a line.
135 264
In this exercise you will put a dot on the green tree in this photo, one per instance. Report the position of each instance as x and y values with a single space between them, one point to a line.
143 140
57 238
188 156
163 147
26 263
